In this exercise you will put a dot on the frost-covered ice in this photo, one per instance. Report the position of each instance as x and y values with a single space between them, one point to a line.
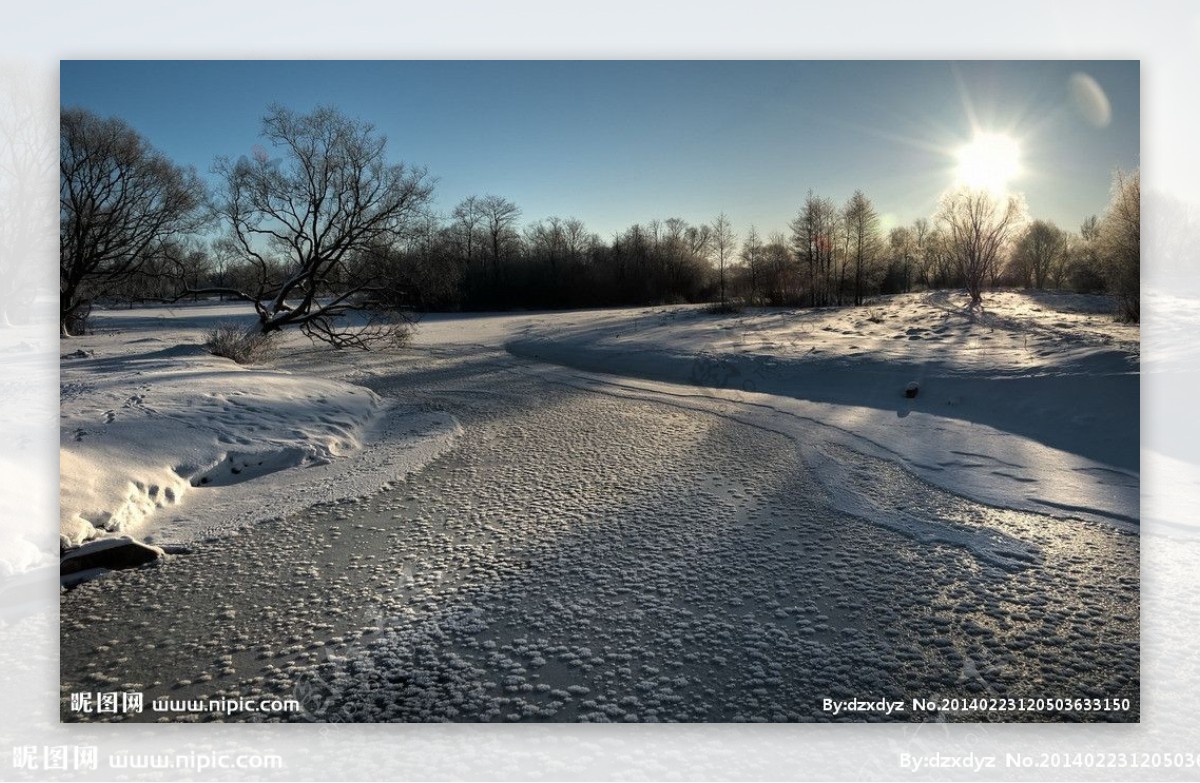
1031 403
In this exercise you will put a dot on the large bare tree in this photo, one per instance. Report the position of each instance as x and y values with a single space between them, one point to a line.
121 203
300 219
978 225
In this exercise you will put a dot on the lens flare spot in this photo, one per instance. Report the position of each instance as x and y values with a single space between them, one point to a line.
1089 100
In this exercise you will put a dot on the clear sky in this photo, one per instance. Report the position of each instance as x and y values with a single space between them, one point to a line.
619 142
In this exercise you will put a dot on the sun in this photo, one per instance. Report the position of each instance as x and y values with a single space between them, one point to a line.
990 161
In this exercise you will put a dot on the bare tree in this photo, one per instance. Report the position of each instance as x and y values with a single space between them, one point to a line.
1082 269
699 240
921 235
416 273
1119 241
754 259
1038 252
925 255
172 264
920 230
942 259
193 265
546 241
694 260
331 196
863 244
813 233
977 226
120 200
468 217
1062 266
500 220
225 257
902 244
433 269
781 284
576 240
724 242
674 248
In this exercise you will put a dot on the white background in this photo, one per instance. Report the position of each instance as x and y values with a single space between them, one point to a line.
1165 36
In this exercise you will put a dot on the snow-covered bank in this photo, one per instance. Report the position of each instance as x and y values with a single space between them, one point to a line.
1030 404
165 442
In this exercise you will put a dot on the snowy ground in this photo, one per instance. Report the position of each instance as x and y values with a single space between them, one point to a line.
166 442
608 540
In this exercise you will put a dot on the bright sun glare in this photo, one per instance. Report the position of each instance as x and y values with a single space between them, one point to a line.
990 161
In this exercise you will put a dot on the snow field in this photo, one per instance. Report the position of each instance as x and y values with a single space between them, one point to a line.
164 441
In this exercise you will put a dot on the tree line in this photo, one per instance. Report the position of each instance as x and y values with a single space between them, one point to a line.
317 224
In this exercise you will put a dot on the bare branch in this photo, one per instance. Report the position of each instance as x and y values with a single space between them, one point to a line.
330 197
121 204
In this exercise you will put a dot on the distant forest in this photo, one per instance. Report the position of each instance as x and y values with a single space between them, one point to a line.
318 222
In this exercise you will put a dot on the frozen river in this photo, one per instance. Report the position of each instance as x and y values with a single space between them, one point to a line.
585 552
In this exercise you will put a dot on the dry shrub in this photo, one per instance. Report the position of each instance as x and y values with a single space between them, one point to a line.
245 345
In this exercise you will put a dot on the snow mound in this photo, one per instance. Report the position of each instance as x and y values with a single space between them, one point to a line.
148 428
165 442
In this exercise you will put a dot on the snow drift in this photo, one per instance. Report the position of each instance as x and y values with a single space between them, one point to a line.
158 431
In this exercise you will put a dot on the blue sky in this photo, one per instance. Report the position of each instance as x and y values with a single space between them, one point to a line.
619 142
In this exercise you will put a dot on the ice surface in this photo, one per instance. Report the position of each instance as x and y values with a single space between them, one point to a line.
1030 403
